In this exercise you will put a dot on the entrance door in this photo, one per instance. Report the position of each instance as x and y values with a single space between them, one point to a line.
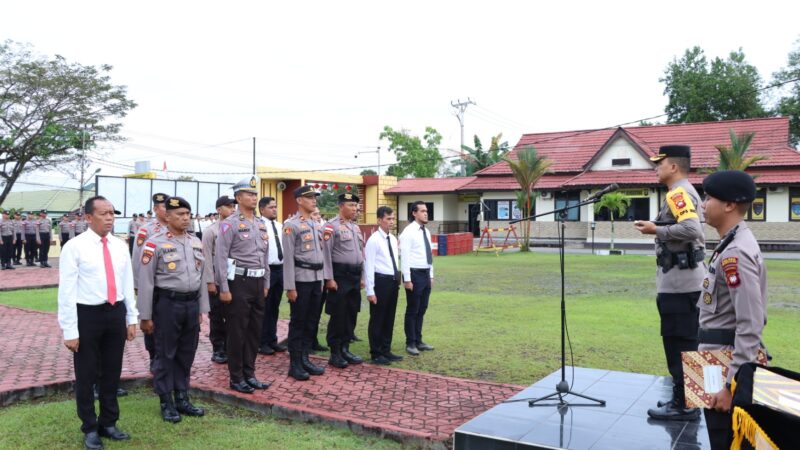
473 224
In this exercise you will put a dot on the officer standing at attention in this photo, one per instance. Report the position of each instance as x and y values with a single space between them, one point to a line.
133 227
243 243
216 319
172 301
417 266
680 249
63 229
31 230
344 246
80 224
269 328
9 239
145 232
316 217
18 233
305 267
733 305
44 226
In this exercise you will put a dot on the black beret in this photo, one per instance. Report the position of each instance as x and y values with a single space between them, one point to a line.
159 198
177 202
730 186
306 191
225 201
348 197
672 151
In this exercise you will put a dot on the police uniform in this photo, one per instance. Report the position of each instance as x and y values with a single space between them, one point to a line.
245 242
216 318
733 304
44 226
31 231
142 235
19 235
64 230
9 238
80 224
172 294
680 249
305 267
344 244
269 328
133 227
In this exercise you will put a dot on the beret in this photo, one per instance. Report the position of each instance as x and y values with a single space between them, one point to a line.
730 186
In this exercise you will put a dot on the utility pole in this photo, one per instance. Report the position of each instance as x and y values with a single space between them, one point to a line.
254 156
83 167
460 108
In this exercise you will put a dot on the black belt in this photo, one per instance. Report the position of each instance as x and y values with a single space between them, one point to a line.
420 270
718 336
349 269
383 275
273 267
308 265
180 296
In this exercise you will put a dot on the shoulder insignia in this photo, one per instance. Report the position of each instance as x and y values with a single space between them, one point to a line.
681 205
140 238
241 216
731 267
147 255
287 230
224 227
170 235
327 232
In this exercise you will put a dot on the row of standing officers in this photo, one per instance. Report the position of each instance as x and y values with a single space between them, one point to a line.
32 234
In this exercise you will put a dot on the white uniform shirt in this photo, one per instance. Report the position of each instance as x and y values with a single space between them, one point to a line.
377 258
412 250
273 240
82 278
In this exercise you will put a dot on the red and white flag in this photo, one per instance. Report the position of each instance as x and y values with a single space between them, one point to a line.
164 169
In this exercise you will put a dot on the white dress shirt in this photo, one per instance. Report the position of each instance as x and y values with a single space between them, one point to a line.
82 278
377 258
273 247
412 250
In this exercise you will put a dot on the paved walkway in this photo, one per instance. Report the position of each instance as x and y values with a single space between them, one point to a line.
29 277
416 408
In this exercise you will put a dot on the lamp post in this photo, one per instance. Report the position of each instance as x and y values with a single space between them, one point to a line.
593 225
377 191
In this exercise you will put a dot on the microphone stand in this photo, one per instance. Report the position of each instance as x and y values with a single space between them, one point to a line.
562 388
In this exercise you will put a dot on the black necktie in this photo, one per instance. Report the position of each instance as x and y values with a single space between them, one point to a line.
277 240
428 252
391 255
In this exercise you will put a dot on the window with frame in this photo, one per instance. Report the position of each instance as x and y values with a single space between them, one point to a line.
429 205
758 209
568 198
794 204
505 209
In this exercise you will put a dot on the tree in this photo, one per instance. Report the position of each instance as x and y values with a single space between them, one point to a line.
789 105
46 106
527 169
724 90
368 172
617 204
732 157
413 157
477 159
185 178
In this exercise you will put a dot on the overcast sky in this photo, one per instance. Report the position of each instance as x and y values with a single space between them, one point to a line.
315 82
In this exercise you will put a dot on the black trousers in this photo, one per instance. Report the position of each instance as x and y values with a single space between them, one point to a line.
31 247
416 305
317 316
720 429
679 325
177 329
272 303
243 317
216 324
102 333
64 239
44 247
18 248
6 250
342 306
381 315
131 239
302 311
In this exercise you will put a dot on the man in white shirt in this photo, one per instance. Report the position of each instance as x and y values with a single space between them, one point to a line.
417 266
97 313
382 280
268 207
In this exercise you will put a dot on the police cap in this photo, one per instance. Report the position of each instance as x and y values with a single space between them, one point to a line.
672 151
730 186
225 201
249 184
177 202
306 191
348 197
159 198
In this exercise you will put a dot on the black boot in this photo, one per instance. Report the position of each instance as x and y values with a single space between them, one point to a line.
349 357
184 406
675 409
296 370
310 367
337 360
168 411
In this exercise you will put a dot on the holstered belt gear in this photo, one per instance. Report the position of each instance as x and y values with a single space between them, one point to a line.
684 260
347 269
717 336
308 265
179 296
252 273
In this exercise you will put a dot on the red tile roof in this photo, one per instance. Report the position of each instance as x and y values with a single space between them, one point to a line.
428 185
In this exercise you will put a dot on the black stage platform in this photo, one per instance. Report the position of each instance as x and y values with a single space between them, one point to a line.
619 425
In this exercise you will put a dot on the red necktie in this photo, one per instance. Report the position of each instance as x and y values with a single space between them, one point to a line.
110 281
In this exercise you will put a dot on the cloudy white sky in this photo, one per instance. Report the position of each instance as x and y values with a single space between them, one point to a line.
315 82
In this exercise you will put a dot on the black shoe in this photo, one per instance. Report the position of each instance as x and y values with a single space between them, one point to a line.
296 370
349 357
168 411
424 347
278 347
45 264
336 359
121 392
255 384
184 406
30 264
392 357
242 387
17 263
10 267
310 367
219 357
266 350
672 411
412 350
91 441
317 347
113 433
380 360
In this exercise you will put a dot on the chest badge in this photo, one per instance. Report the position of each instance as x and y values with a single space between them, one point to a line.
707 298
172 266
705 283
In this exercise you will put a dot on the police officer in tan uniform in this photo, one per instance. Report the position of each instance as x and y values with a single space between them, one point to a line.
242 274
9 239
216 318
305 267
44 228
80 224
680 249
733 305
172 301
344 246
31 232
19 236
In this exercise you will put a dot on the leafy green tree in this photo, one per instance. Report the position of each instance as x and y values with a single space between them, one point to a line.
731 157
702 92
476 158
789 104
45 108
368 172
527 168
414 157
617 204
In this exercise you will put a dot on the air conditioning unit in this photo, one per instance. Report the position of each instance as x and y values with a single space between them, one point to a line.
546 195
281 186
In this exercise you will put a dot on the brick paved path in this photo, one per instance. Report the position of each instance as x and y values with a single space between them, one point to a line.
417 408
29 277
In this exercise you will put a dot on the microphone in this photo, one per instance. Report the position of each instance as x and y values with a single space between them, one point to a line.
610 188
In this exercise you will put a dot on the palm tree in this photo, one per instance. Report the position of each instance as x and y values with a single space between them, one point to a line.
527 169
616 203
476 158
732 157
